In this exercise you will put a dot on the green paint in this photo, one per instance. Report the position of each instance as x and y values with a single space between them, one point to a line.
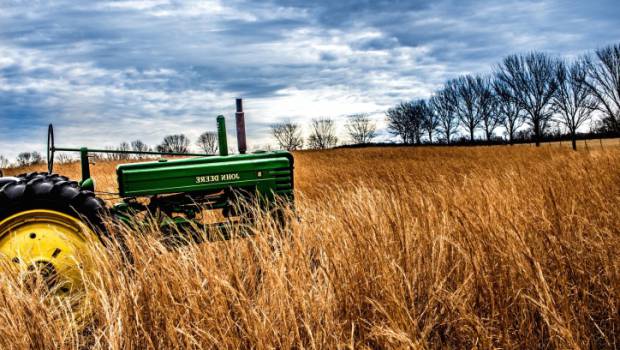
88 184
265 172
221 135
85 164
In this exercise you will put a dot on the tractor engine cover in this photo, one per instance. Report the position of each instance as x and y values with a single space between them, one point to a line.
269 173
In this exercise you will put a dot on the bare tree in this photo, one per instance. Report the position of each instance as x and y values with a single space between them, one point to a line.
405 120
175 144
23 159
603 80
4 162
442 105
124 147
531 83
430 121
207 141
288 135
573 101
63 158
418 114
29 158
510 112
139 146
397 122
36 158
360 128
487 106
465 98
323 134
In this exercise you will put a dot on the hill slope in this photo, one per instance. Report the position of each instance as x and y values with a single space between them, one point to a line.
419 247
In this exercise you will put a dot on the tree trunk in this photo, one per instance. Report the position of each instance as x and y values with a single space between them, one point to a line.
430 137
471 134
574 140
537 132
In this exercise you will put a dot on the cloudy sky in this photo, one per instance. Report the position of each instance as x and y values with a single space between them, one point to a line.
112 71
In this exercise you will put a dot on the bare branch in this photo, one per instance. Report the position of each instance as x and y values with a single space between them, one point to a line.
530 82
573 101
323 134
139 146
511 115
287 135
174 143
360 128
442 104
207 142
405 120
603 80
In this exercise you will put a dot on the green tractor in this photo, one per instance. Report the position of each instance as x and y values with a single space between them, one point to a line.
47 221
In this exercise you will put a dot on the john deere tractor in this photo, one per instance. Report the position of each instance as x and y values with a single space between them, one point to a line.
48 222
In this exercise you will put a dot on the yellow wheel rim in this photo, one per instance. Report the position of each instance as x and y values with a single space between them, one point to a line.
50 247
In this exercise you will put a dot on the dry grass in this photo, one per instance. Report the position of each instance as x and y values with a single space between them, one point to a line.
592 144
485 247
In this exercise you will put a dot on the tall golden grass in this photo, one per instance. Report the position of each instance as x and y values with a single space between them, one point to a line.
489 247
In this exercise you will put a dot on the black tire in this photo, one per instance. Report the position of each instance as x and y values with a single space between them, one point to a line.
52 192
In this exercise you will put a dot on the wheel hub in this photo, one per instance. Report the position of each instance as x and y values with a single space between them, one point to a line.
49 249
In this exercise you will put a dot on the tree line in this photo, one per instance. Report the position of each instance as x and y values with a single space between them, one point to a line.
288 135
525 94
360 128
176 143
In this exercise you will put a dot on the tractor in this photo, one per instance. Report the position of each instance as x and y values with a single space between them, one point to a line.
47 220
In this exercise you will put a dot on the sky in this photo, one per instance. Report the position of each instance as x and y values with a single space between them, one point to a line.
111 71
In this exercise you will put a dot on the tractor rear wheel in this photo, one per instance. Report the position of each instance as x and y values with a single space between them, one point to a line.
48 225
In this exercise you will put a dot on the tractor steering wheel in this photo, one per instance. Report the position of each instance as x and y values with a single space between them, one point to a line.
50 149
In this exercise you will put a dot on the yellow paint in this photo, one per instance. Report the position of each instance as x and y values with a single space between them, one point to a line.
36 240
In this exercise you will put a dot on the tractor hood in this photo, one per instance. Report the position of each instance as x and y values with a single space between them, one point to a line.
267 172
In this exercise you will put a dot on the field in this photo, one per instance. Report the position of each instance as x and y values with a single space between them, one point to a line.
483 247
593 144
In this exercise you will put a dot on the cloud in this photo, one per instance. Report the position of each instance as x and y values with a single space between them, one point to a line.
115 71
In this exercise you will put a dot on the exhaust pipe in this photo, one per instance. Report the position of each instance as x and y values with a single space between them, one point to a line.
240 118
